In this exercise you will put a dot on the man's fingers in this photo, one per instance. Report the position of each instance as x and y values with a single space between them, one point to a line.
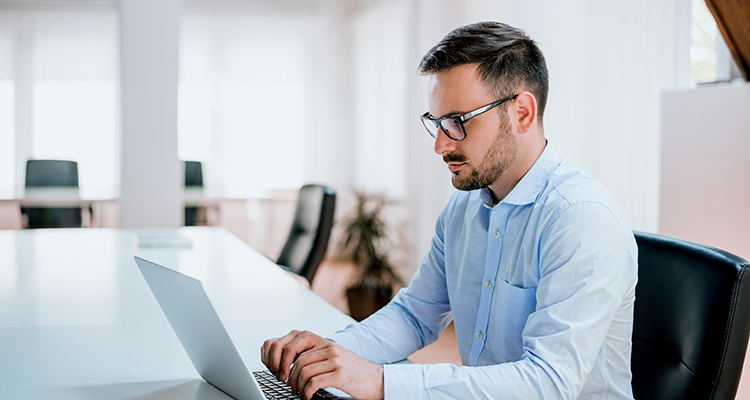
307 363
329 364
318 382
302 342
279 354
272 350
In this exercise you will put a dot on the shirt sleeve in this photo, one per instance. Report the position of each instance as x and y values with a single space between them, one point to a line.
413 319
587 274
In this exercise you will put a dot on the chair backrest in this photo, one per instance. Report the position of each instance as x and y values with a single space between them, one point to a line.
52 173
311 228
193 174
45 173
692 320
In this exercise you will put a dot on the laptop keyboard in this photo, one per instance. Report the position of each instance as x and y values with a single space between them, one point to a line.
277 390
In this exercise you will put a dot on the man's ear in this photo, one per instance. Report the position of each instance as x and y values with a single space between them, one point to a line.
525 111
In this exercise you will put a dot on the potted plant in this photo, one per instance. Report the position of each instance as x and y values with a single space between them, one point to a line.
364 243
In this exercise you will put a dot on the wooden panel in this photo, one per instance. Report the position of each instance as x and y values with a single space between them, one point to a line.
733 19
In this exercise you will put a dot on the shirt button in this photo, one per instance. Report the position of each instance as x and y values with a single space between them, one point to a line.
480 335
496 234
488 284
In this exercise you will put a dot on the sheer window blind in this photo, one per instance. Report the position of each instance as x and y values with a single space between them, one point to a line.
58 90
242 91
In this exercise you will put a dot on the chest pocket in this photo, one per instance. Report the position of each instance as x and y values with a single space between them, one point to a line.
510 309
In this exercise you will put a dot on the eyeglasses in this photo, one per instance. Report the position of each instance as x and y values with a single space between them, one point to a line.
453 127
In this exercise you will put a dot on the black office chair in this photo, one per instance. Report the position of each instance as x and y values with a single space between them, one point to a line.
193 174
194 179
311 228
692 320
51 173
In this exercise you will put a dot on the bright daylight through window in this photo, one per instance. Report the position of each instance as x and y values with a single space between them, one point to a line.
242 100
710 59
58 74
704 42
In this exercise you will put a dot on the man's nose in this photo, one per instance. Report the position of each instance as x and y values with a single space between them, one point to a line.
444 144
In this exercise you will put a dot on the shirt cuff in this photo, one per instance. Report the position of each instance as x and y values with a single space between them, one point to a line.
403 381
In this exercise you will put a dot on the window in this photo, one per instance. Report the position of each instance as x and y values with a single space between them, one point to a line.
242 99
7 139
194 121
710 59
58 88
703 35
75 121
7 109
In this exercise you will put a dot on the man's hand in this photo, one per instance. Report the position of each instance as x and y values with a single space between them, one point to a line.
321 363
279 354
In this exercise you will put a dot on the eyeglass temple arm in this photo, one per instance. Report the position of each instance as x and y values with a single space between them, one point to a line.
484 109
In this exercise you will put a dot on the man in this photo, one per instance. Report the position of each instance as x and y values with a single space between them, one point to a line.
532 258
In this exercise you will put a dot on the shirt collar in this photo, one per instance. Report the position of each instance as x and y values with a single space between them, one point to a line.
527 190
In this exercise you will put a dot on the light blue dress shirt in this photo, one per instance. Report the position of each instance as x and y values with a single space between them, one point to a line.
541 289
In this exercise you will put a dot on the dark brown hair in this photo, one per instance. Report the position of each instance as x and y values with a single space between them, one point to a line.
508 61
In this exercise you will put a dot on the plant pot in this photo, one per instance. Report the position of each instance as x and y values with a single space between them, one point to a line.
365 300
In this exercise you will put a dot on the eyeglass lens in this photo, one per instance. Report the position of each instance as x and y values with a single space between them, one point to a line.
452 128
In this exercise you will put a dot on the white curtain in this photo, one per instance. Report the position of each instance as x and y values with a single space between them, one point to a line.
7 108
58 91
243 93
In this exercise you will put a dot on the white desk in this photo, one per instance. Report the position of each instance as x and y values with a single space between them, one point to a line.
77 320
98 205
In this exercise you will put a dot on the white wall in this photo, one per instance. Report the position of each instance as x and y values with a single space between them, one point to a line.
151 184
705 190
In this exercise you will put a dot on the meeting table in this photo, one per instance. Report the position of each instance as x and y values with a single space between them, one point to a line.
78 321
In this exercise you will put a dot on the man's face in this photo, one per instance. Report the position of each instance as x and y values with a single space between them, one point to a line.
489 147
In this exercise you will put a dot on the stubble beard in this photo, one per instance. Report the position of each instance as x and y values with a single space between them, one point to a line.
497 160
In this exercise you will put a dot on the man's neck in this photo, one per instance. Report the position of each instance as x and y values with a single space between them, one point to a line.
510 178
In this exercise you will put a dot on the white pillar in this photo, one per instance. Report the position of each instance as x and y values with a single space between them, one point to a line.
151 176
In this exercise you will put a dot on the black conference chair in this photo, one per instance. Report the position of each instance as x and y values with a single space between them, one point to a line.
193 174
311 228
692 320
47 174
194 179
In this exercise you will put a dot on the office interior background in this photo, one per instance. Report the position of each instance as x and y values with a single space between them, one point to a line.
270 95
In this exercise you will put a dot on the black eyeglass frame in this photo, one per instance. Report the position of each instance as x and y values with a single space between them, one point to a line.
460 119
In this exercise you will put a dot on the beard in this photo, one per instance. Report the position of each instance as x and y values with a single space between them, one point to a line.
497 160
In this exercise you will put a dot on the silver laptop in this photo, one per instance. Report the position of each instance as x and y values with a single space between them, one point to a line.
206 339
